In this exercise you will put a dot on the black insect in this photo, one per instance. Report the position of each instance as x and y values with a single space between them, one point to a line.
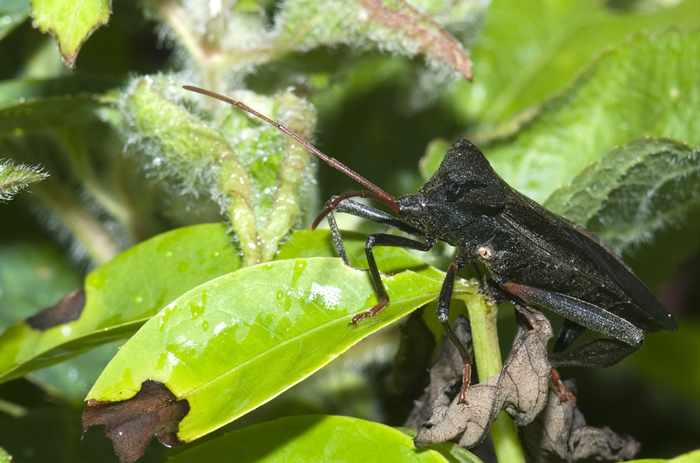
533 256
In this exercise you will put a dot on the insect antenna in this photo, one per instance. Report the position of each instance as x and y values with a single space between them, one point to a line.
375 192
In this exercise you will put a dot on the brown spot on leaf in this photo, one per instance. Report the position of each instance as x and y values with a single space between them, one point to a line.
66 310
130 424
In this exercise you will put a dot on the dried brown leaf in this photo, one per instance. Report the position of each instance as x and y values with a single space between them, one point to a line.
560 433
130 424
520 389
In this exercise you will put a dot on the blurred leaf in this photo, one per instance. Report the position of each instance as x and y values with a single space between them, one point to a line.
30 90
14 178
645 87
633 194
277 322
671 353
529 50
47 113
434 153
403 27
72 379
312 438
69 22
121 295
12 14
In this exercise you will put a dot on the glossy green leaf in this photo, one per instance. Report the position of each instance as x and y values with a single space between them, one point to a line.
529 50
12 14
4 456
121 295
319 438
71 23
236 342
14 178
644 87
645 191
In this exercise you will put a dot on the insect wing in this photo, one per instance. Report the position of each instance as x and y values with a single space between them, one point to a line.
576 251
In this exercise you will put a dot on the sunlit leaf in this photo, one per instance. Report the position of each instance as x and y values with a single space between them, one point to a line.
236 342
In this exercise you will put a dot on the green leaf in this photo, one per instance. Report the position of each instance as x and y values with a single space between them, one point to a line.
530 50
670 353
642 192
28 90
691 457
71 380
121 295
645 87
236 342
47 113
4 456
14 178
12 14
318 438
70 22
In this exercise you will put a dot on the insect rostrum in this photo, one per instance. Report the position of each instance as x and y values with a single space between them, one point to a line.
533 256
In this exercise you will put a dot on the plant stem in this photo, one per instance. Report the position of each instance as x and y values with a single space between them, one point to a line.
487 353
83 225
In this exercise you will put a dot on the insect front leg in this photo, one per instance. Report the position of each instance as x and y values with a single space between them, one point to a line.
363 211
382 239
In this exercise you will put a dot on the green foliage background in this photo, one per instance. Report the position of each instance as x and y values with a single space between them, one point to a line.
155 195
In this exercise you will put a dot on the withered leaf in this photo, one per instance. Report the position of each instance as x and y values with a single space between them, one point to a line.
66 310
130 424
559 433
520 388
445 376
